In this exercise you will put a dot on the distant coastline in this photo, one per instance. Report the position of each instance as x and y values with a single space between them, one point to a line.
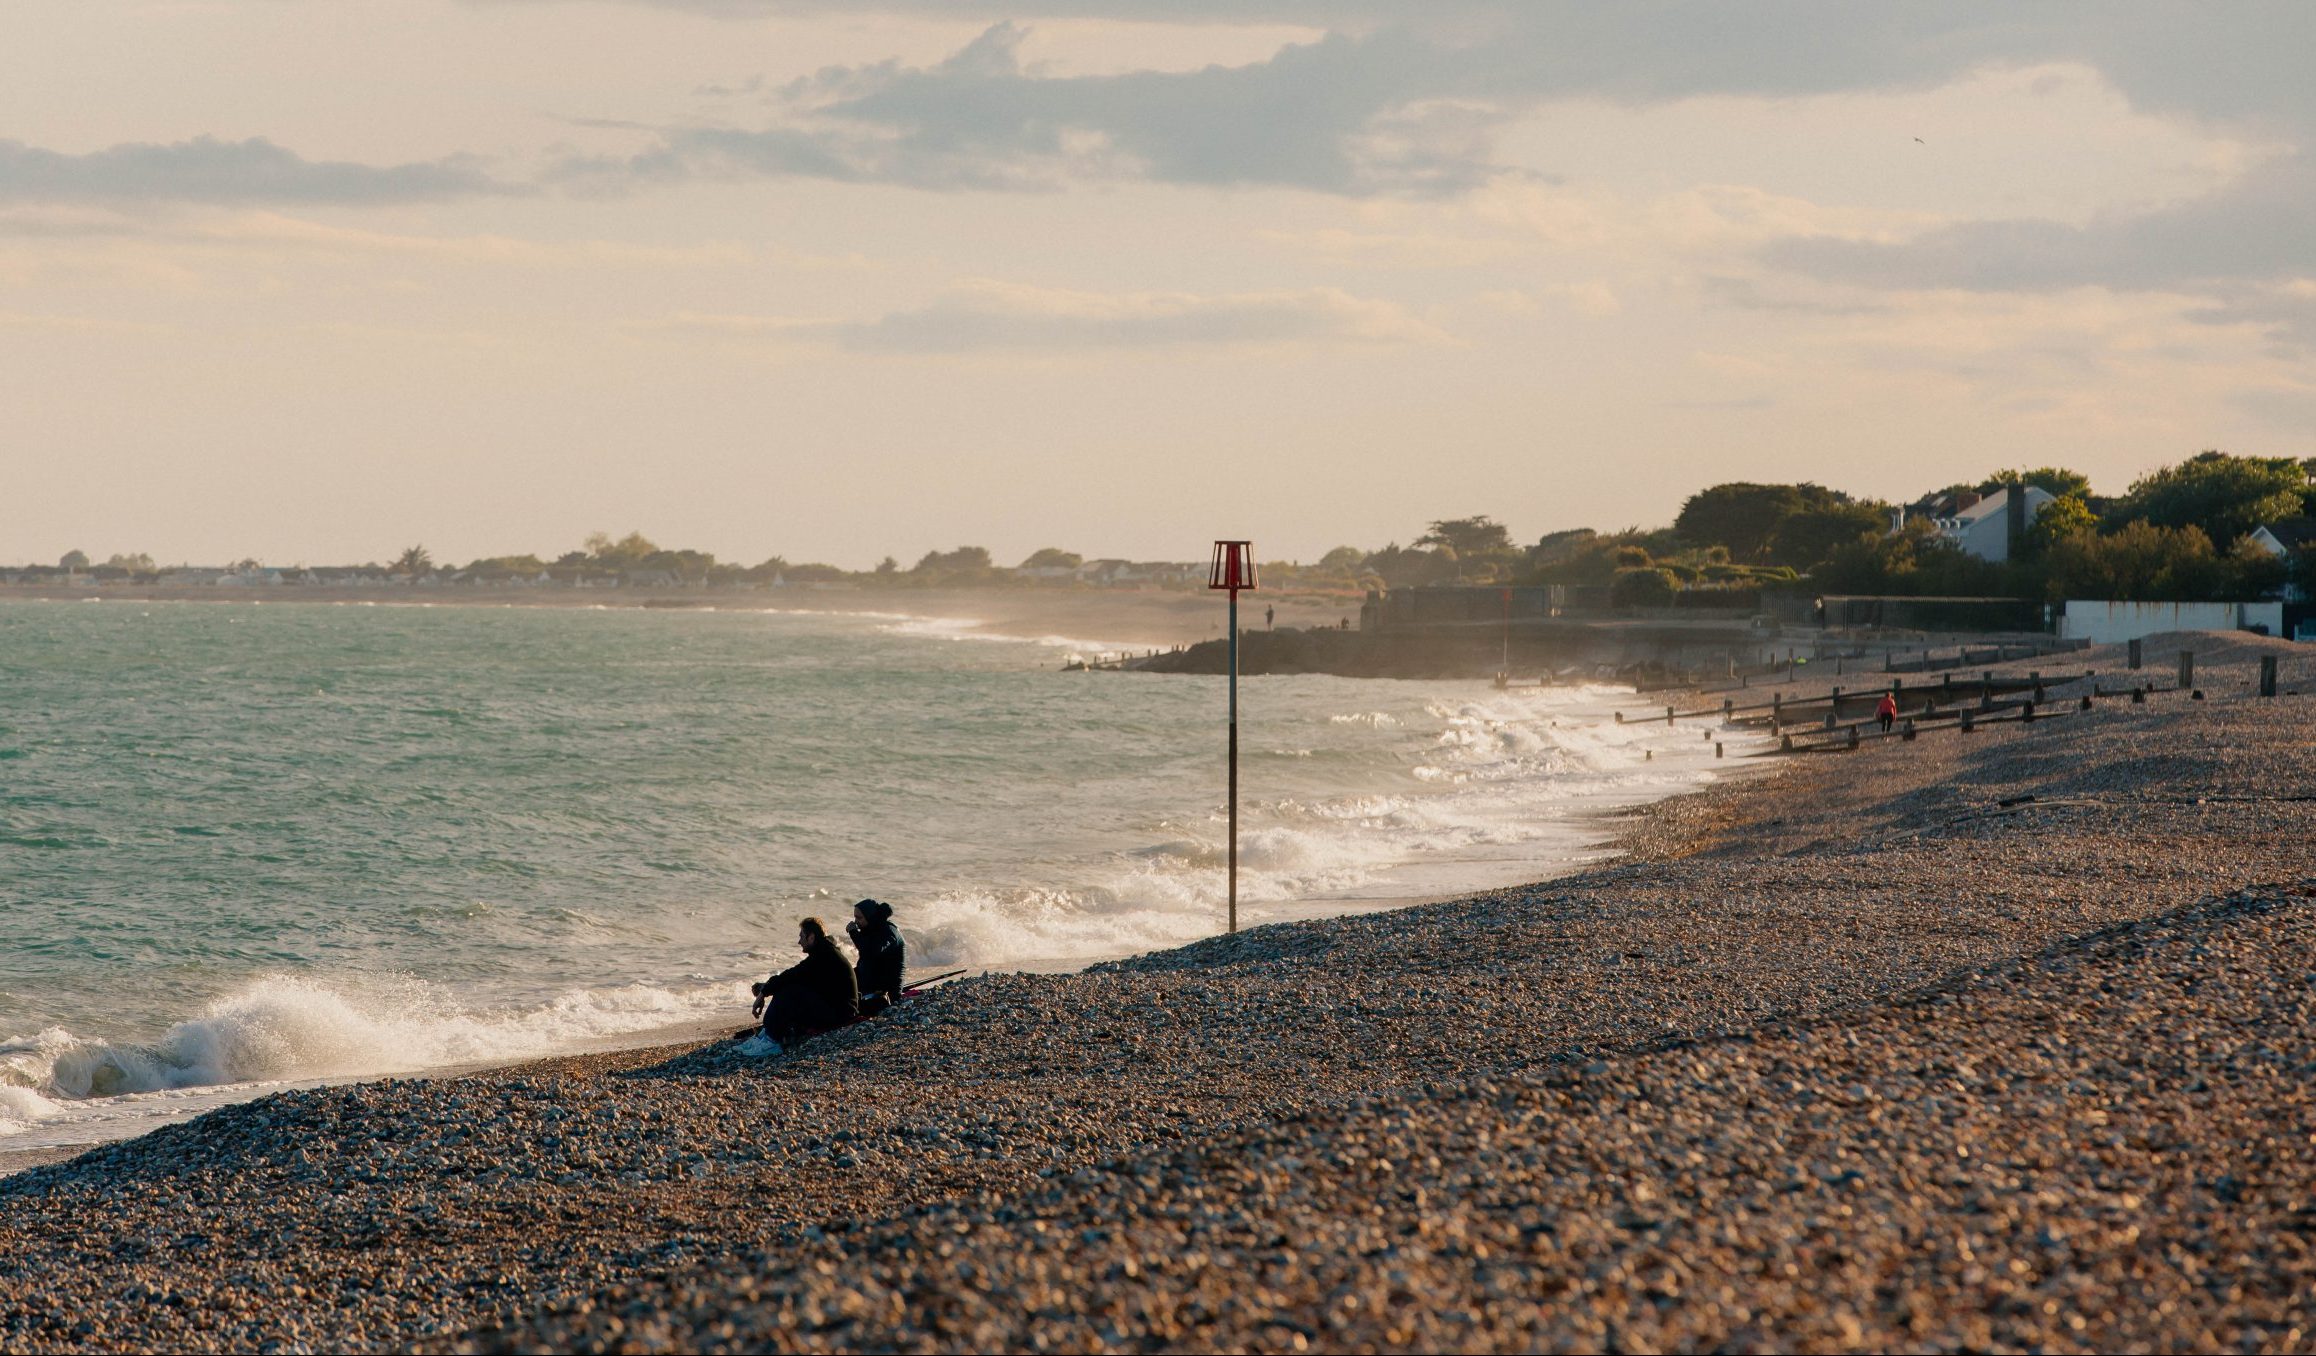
1124 617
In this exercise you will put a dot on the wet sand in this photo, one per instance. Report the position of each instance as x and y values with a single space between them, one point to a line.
1990 1040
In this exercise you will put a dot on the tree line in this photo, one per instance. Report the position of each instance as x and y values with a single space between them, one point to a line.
2178 533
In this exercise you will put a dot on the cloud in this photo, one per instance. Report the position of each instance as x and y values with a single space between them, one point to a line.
2260 229
1333 116
1408 97
207 170
983 316
2265 224
274 233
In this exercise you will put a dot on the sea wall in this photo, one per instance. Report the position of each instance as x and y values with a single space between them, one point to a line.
2111 623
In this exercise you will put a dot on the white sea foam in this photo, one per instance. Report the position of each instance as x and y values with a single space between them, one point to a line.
20 1108
1505 791
970 628
283 1028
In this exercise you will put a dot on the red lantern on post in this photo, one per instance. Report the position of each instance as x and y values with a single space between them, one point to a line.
1233 569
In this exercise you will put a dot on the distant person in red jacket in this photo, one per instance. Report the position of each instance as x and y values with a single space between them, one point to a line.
1887 712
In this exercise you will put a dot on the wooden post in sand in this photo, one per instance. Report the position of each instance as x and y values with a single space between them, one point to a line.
2186 669
2267 675
1233 569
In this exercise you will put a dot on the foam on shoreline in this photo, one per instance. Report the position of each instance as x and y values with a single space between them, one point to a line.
281 1030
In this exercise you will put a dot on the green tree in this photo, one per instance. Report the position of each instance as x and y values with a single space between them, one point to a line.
414 562
1559 548
514 564
1471 539
965 559
2139 563
2063 517
1411 567
140 563
1343 560
683 564
1052 558
73 560
1806 537
888 566
2253 573
1913 561
1647 586
1744 516
2301 571
2056 481
2224 496
626 553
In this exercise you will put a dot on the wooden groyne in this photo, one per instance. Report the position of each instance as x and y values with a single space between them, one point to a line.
1846 718
1650 654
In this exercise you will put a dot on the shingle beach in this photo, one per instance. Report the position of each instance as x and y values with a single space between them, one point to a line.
1991 1040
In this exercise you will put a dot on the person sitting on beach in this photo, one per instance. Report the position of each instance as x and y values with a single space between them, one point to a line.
814 994
1887 711
878 971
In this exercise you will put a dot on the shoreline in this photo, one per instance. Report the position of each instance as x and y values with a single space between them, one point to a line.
1866 1054
1599 825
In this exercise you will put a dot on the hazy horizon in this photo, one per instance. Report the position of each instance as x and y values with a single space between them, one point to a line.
317 282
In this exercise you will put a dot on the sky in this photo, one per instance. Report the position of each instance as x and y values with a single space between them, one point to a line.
312 281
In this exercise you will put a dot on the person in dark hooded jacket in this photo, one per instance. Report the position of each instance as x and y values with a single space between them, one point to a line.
878 971
812 995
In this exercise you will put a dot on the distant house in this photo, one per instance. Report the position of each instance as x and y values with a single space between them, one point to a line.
1102 573
1134 574
2284 539
500 576
345 576
651 579
2285 536
1980 524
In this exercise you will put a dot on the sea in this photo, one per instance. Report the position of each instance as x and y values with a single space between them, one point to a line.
246 846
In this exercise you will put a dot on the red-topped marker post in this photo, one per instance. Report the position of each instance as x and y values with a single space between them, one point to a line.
1233 569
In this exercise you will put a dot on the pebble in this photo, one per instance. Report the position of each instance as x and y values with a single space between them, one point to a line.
1866 1052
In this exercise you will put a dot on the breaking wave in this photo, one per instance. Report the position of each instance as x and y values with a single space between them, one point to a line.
285 1028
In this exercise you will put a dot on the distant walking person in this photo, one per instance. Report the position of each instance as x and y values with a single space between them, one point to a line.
1270 619
1887 711
878 971
813 995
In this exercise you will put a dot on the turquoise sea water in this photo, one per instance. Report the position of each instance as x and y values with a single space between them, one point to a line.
253 842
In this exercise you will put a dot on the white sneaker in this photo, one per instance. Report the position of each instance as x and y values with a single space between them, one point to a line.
759 1046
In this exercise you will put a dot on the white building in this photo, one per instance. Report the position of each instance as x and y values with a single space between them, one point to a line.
1983 527
2283 539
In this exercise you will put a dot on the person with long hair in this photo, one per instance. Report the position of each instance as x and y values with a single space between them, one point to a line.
878 971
